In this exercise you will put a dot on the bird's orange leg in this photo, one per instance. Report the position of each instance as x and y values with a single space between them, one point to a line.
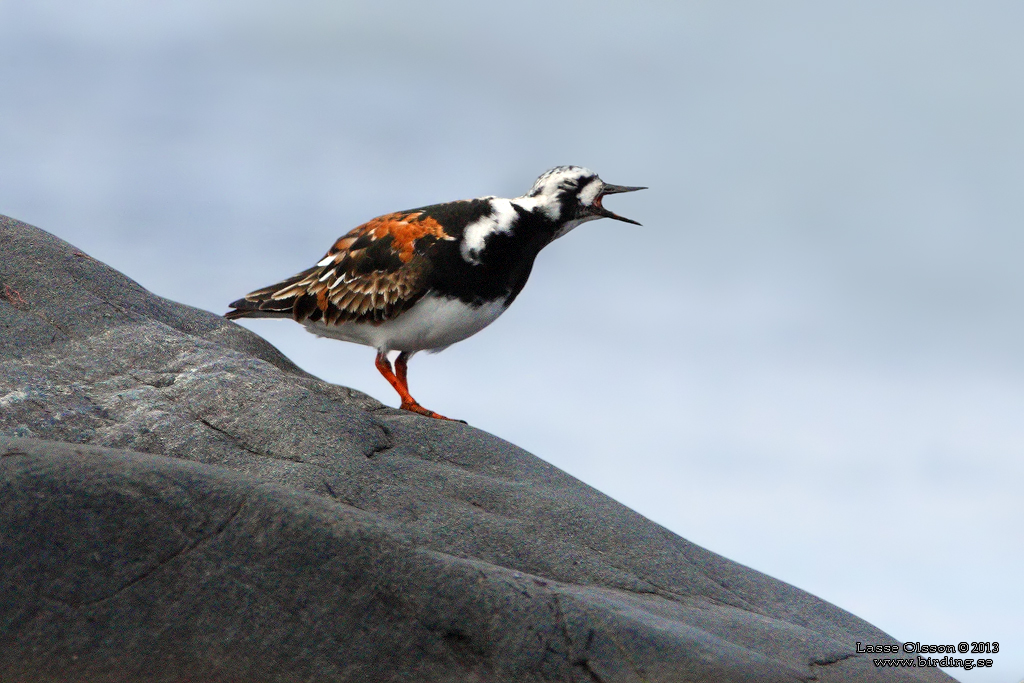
402 369
401 384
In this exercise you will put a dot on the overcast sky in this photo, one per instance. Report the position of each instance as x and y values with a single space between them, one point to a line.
809 359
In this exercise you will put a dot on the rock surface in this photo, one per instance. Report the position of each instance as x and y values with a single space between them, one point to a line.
179 502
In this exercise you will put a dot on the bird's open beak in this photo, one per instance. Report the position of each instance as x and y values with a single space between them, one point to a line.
614 189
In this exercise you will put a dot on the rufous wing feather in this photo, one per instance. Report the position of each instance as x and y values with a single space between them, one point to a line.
370 275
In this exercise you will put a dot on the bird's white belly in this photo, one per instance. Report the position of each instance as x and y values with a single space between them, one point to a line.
432 324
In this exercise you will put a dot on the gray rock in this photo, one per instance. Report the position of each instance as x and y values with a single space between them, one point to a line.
180 502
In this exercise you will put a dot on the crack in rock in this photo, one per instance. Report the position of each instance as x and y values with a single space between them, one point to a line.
244 446
828 661
188 548
389 441
589 670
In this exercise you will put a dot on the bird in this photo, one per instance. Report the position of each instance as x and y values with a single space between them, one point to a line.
423 279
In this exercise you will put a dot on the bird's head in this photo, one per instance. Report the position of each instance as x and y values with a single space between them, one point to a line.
571 195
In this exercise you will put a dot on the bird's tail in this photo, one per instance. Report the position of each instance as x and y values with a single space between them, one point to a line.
274 301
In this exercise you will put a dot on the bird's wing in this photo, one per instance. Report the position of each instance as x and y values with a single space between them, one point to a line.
371 275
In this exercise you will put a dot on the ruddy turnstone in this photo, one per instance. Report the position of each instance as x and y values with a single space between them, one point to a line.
423 279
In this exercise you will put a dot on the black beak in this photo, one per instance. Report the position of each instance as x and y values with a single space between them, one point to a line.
614 189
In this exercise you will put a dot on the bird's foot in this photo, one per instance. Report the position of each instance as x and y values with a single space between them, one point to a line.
420 410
